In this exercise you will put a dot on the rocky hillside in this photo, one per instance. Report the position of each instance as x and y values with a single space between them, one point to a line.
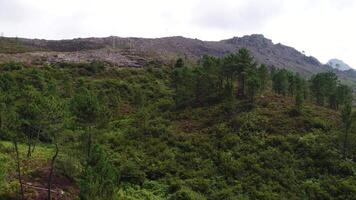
339 64
139 52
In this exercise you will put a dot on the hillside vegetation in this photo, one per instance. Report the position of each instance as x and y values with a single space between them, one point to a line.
227 128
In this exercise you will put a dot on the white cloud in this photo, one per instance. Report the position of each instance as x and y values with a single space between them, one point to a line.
322 28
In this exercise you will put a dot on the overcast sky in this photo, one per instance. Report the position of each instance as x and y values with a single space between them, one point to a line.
322 28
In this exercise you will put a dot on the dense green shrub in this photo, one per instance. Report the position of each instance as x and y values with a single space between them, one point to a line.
12 66
183 133
99 179
250 122
2 171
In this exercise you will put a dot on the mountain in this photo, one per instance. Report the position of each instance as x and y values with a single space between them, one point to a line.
96 131
140 52
338 64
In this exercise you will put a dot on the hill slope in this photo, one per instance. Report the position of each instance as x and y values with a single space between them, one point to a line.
139 52
217 151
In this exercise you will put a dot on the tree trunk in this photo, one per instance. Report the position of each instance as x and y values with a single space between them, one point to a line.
51 170
19 171
29 143
241 86
89 141
29 149
344 152
36 141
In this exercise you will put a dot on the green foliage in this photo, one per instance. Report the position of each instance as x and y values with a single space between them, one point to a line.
300 93
183 83
2 172
347 120
238 67
208 83
86 107
10 123
253 85
213 80
263 76
191 132
323 86
179 63
280 82
99 178
343 95
151 190
11 66
250 123
186 194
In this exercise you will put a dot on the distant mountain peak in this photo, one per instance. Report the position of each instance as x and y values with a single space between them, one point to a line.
140 52
339 64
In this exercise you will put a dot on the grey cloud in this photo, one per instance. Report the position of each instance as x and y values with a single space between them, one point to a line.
336 4
342 4
14 11
248 16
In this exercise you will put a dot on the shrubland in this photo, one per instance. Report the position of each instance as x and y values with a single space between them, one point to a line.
225 128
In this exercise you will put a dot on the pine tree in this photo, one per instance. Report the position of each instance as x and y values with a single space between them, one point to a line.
86 109
263 76
99 180
208 80
184 84
11 127
346 116
52 122
323 87
299 97
179 63
236 67
245 64
292 83
343 95
253 85
280 82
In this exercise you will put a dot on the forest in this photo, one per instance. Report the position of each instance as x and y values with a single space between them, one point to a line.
222 128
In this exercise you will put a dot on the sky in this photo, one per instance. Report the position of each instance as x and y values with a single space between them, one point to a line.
325 29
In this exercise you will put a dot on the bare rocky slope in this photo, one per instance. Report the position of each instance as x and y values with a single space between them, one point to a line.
339 64
140 52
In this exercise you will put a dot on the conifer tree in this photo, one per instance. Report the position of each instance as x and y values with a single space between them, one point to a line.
299 97
346 116
253 86
179 63
280 82
99 180
86 109
263 76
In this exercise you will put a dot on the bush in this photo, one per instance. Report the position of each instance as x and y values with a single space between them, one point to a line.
130 172
149 191
186 194
2 172
99 180
69 166
12 66
249 122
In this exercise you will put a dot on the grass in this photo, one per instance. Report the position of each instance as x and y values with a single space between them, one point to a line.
41 151
30 167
